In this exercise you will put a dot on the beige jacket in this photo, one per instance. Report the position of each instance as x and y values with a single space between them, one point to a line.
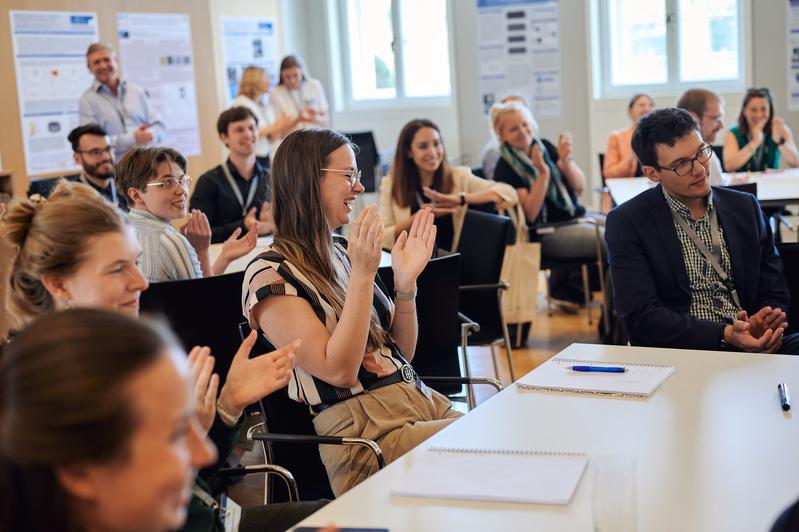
392 214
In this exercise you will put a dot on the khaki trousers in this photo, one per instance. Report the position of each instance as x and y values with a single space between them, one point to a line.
398 417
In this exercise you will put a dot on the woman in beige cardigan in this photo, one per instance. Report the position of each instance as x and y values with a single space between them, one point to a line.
420 177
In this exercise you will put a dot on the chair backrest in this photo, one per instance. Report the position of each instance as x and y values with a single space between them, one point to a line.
44 186
203 311
285 416
482 246
368 158
601 156
437 305
719 150
790 269
751 188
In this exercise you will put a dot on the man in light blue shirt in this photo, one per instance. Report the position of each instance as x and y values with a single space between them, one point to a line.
121 108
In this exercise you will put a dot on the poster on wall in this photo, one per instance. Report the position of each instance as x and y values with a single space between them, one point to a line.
156 54
50 65
247 41
793 55
519 53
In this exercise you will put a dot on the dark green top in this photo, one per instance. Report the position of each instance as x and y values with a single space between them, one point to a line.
766 156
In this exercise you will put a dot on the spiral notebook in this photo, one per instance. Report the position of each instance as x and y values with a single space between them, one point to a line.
639 380
493 475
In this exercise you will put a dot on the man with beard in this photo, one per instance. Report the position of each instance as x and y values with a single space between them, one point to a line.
92 150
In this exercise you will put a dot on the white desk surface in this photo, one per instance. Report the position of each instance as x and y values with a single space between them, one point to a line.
241 263
714 450
772 187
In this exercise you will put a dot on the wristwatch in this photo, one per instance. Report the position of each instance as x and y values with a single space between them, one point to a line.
463 198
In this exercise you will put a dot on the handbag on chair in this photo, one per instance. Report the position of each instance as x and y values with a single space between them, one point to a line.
520 270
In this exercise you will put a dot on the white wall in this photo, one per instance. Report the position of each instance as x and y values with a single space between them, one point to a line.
464 127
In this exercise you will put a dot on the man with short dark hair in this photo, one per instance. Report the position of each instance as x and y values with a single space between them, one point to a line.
91 149
707 108
120 107
694 266
236 193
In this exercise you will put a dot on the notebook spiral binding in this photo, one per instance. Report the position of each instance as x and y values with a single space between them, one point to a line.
602 363
516 452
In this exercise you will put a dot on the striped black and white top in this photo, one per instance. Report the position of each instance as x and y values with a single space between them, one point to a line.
166 254
271 274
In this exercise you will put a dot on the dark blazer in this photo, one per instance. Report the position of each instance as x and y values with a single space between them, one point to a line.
651 287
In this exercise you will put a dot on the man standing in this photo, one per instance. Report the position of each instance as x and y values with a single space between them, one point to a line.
707 108
236 192
694 267
121 108
91 149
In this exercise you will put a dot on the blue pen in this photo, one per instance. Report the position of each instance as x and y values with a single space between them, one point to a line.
599 369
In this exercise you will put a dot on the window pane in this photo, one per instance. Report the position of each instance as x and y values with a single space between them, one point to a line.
371 56
425 61
708 40
638 42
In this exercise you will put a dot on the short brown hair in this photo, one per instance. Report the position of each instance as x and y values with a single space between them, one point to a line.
97 47
64 402
695 101
140 165
234 114
50 237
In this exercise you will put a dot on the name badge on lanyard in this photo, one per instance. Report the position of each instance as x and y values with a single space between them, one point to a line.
237 192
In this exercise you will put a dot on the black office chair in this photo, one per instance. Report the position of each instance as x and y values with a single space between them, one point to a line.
790 269
719 151
482 247
44 186
203 311
478 171
367 157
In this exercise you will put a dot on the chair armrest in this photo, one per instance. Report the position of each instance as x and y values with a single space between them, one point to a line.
502 285
465 380
268 469
785 222
321 440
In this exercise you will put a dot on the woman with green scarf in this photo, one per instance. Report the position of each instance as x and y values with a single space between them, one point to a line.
548 181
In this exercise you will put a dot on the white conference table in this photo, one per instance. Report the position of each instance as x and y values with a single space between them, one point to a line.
773 188
241 263
714 450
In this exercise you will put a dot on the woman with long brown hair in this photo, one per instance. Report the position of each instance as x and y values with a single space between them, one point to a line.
422 177
357 341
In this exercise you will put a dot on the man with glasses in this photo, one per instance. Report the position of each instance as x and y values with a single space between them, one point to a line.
235 194
156 187
694 266
92 150
707 108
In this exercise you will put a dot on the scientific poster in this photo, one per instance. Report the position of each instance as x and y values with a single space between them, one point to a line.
519 53
247 41
793 55
50 63
155 53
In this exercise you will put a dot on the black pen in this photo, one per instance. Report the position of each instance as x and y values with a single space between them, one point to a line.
785 397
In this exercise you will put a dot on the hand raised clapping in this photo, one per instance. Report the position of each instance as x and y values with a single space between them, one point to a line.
365 243
412 251
197 230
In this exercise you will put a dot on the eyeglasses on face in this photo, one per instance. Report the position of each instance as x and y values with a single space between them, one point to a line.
170 183
96 152
685 166
354 176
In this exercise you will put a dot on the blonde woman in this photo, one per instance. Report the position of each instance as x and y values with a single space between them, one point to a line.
253 87
422 177
352 367
548 182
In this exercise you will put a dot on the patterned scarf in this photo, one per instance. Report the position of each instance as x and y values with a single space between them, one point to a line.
557 193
